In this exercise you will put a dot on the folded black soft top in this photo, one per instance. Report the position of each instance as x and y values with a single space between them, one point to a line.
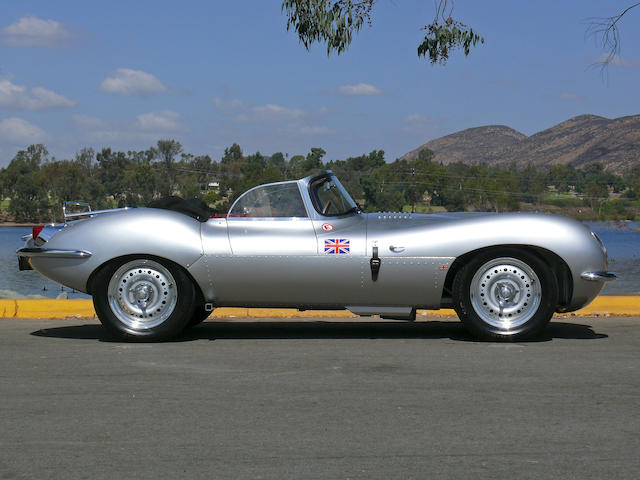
194 207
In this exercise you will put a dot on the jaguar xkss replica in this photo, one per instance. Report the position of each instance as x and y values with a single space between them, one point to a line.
305 244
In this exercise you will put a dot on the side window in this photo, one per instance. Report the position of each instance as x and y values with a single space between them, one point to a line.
280 200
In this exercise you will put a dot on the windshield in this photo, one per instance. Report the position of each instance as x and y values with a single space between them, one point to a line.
330 198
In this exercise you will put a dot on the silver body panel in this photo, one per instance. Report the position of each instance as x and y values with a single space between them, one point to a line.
136 231
269 261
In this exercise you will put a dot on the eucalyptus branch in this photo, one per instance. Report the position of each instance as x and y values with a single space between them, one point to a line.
605 31
445 34
333 22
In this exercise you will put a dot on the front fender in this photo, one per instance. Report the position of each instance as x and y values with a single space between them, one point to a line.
456 235
569 239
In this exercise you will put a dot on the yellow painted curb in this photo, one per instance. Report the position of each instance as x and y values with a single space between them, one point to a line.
45 308
605 305
226 312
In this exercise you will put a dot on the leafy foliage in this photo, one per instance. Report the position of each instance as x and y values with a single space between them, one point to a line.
445 36
333 22
37 185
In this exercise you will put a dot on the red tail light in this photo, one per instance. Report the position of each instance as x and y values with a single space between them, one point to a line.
35 231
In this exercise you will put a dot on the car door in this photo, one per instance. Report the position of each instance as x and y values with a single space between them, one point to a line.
270 236
350 244
341 231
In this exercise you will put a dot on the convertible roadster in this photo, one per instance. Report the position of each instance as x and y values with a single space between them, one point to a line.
306 244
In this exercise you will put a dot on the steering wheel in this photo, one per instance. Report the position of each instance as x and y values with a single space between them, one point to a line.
326 207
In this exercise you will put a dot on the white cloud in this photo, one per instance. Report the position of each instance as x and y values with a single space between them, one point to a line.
31 31
271 120
229 105
15 130
504 82
18 97
146 127
315 130
126 81
417 118
245 112
359 89
87 121
420 124
617 61
274 112
165 120
105 136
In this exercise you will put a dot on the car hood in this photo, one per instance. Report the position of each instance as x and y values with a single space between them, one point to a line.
420 219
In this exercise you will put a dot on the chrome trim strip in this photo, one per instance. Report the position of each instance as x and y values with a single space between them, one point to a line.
94 212
52 253
75 204
598 276
46 233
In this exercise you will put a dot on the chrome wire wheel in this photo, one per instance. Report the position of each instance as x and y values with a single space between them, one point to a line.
142 294
505 293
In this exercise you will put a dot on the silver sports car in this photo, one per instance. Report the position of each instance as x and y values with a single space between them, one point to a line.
305 244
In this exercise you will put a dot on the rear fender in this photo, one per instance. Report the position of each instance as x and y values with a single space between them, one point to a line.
140 231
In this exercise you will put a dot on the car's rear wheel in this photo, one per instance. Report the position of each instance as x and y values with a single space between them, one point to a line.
143 299
506 294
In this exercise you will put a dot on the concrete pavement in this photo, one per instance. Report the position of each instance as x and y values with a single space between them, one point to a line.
323 398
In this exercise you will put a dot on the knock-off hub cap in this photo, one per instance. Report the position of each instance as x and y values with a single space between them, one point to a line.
142 294
505 293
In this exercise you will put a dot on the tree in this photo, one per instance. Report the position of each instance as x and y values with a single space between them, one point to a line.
352 170
111 172
2 185
278 161
231 154
140 183
26 185
167 151
334 22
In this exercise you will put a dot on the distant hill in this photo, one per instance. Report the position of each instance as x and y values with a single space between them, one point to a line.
580 140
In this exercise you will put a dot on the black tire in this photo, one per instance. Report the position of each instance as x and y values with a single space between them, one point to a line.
505 294
199 315
143 299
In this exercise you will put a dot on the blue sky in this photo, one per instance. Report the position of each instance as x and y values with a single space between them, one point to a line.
210 73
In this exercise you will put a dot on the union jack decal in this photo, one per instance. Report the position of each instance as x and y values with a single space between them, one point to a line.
337 246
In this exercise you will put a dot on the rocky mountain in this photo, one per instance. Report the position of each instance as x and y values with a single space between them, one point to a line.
580 140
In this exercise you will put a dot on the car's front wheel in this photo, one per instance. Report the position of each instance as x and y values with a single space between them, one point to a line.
200 314
508 294
143 299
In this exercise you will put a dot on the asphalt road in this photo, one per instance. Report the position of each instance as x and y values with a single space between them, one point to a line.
327 400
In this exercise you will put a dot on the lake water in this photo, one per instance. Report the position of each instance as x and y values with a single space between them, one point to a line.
622 242
14 283
623 246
